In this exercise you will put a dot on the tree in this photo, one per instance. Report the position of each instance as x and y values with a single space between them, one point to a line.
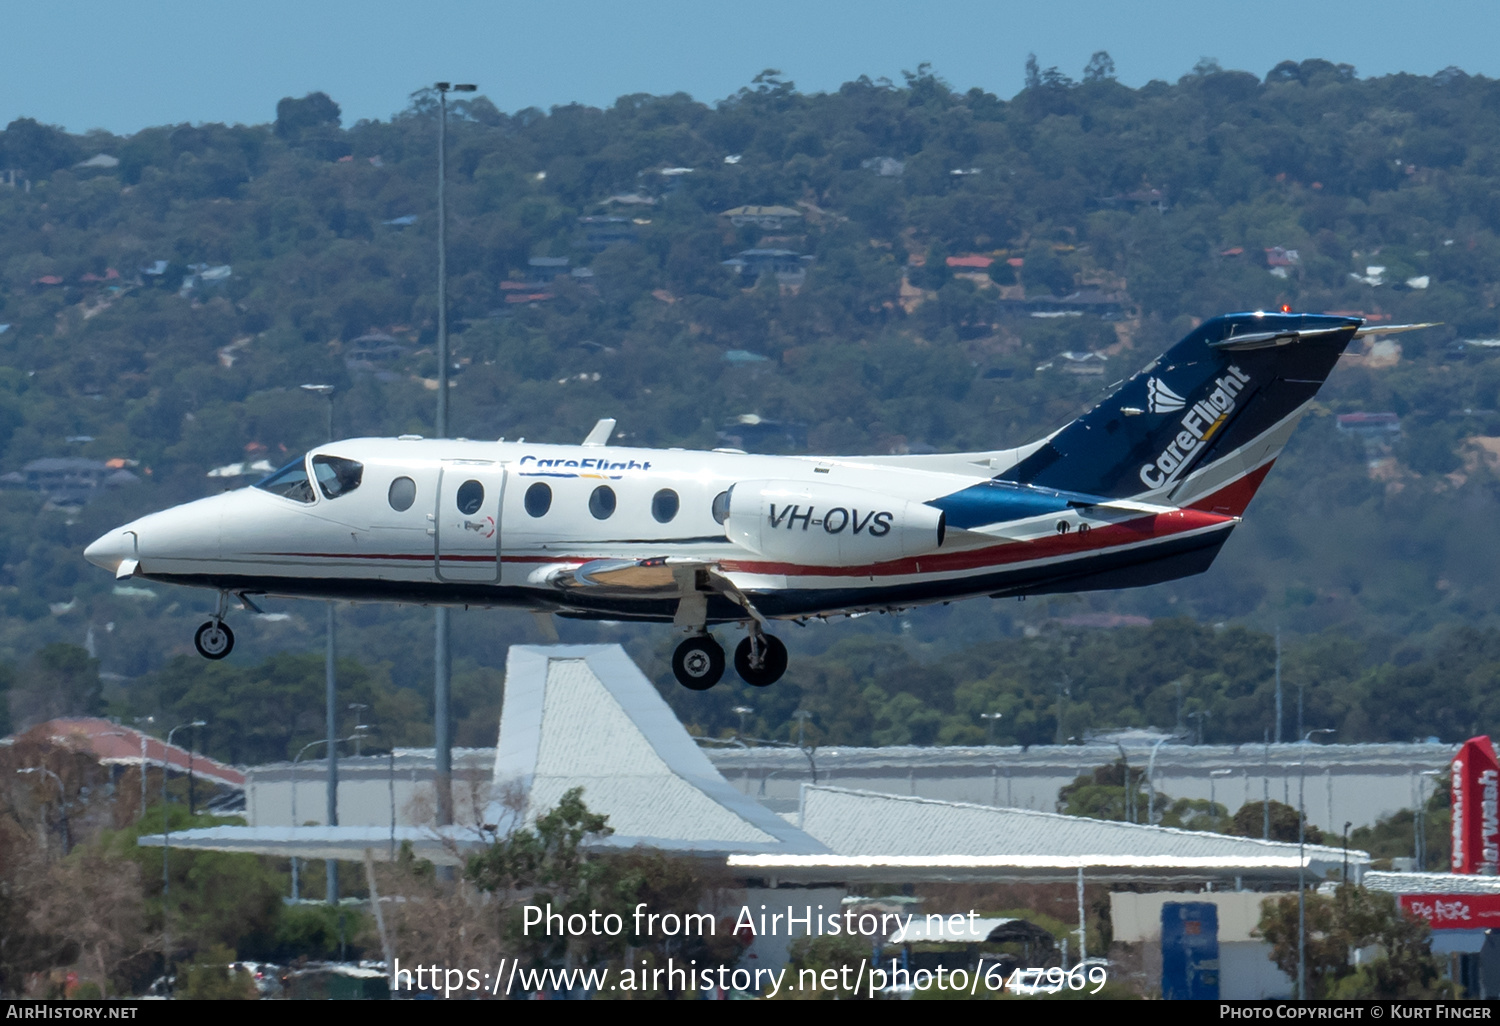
1250 821
1100 68
1033 72
295 117
36 149
59 680
1105 793
546 864
92 902
1352 919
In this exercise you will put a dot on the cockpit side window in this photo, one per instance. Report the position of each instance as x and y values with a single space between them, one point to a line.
290 482
336 475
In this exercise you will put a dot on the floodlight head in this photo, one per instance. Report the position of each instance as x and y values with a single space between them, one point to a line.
442 87
318 389
467 87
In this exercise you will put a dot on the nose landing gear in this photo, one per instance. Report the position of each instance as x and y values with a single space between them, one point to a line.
214 640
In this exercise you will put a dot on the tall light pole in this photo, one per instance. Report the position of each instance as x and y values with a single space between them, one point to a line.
1151 781
62 798
1419 821
358 708
801 716
166 839
330 692
1302 868
991 718
296 891
442 740
140 720
742 711
1213 778
1129 805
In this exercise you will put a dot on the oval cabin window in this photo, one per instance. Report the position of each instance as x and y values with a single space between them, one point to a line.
602 502
664 506
402 494
470 497
538 499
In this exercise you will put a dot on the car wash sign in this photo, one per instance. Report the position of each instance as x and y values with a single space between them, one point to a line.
1454 911
1476 808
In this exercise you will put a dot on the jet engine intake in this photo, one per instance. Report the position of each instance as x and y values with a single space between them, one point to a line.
827 525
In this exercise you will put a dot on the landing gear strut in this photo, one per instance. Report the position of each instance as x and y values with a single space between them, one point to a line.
698 663
214 640
760 659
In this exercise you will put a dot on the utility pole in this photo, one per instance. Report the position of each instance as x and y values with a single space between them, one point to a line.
442 660
330 694
1265 802
1278 685
1302 867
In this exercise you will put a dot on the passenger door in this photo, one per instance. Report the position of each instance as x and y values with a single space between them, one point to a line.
468 520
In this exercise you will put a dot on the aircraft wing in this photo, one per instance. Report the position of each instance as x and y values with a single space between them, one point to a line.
660 576
659 573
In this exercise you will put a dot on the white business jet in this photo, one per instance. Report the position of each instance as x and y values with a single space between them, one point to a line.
1144 488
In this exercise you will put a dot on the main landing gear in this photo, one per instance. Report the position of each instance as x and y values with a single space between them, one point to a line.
760 660
214 640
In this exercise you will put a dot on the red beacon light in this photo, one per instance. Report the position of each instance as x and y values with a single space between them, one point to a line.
1286 308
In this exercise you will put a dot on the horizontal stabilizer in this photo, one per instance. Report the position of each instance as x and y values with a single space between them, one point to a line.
1392 329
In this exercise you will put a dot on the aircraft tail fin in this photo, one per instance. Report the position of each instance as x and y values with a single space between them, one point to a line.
1202 424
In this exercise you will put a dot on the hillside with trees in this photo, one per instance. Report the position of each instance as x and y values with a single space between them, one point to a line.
891 267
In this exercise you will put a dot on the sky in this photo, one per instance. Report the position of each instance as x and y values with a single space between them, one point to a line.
85 65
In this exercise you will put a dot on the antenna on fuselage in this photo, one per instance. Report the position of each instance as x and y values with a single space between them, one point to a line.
599 436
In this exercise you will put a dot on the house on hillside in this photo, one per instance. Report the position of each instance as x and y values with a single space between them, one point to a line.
1371 427
789 267
1085 364
374 353
768 218
98 162
600 232
69 480
1107 306
1148 198
548 268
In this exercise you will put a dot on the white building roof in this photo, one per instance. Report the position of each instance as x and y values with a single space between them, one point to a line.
880 836
1431 883
574 716
585 716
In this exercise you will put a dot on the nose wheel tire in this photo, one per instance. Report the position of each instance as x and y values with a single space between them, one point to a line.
698 663
214 640
772 663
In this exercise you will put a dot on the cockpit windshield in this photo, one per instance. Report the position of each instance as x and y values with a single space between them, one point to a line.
336 475
290 482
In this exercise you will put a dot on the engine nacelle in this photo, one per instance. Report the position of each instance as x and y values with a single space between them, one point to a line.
813 524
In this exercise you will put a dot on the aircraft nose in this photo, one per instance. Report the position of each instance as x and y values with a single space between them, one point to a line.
110 550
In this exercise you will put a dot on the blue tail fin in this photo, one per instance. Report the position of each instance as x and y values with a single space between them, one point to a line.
1215 408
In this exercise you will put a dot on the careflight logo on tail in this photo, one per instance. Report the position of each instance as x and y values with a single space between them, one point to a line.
1161 399
1200 424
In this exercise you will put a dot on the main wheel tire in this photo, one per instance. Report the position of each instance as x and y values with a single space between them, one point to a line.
698 663
773 662
214 640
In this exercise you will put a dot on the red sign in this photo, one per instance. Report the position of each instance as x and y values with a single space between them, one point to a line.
1476 808
1454 911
